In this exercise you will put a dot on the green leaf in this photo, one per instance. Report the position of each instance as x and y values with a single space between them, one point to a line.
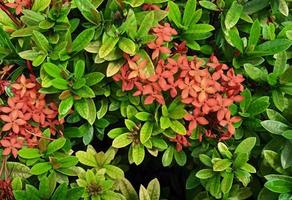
143 116
279 185
85 92
180 158
86 158
274 127
165 122
243 177
246 101
135 3
41 168
53 70
254 35
127 46
253 72
254 6
206 160
93 78
116 132
143 194
103 108
82 108
82 40
178 127
271 47
248 168
138 153
128 190
167 156
114 67
280 63
227 182
235 39
233 14
286 159
88 10
107 46
246 145
60 192
189 12
283 7
148 70
200 28
16 183
66 105
40 5
60 84
205 174
287 134
215 186
29 54
29 153
223 149
114 172
18 170
174 13
55 145
153 189
146 25
279 100
221 165
146 132
122 140
241 159
209 5
258 106
40 40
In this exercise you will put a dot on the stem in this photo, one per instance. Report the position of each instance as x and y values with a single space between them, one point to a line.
29 66
46 138
10 15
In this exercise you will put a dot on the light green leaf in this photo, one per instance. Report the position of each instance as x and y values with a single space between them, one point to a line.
55 145
233 14
145 132
122 140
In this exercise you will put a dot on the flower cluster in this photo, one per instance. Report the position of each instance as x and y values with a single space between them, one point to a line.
207 87
19 5
25 114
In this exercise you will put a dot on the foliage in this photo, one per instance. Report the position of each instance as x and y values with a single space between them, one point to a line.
192 97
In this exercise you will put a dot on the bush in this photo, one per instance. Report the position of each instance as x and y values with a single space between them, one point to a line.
145 99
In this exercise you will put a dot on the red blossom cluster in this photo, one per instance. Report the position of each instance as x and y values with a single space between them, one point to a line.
25 114
207 87
19 5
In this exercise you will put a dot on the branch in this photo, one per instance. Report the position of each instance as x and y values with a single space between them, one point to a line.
10 15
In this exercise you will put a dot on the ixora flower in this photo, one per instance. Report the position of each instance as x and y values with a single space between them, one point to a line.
208 87
25 114
11 146
19 5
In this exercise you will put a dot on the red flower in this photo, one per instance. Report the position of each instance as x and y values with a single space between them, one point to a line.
19 5
195 118
158 49
23 85
229 121
12 122
11 146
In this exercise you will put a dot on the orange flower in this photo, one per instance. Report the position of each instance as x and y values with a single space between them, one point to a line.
12 122
11 146
229 121
19 5
23 85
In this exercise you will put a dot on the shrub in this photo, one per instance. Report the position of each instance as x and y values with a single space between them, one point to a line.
100 99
